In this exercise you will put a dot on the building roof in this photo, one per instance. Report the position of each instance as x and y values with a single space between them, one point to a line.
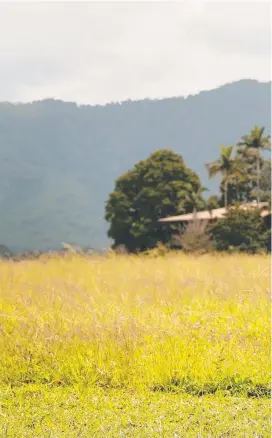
217 213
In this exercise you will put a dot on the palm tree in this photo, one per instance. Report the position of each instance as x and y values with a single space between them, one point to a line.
237 175
265 183
223 165
250 148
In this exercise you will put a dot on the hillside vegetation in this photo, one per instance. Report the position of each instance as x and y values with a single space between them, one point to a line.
59 161
135 346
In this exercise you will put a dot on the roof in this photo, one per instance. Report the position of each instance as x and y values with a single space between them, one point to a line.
217 213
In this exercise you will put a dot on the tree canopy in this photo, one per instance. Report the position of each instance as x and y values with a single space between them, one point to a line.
157 187
245 170
242 230
162 185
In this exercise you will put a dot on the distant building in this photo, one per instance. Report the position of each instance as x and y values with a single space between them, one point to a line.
218 213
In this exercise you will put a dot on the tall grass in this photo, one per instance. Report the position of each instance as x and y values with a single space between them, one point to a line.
175 323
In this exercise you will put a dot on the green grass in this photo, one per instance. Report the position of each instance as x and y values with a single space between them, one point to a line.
173 346
75 412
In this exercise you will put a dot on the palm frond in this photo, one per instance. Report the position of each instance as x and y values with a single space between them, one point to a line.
213 168
255 139
226 151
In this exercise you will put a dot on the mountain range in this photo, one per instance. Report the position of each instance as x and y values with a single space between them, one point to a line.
59 160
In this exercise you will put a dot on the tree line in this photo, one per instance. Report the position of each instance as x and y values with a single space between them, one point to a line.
162 185
245 175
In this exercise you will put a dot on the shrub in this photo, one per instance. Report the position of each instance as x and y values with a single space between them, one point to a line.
195 238
241 230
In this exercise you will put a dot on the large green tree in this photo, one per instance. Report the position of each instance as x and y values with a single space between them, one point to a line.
156 187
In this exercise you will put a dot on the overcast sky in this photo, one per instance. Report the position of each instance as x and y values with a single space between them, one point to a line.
101 52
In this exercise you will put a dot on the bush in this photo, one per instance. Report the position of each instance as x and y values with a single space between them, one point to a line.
195 238
241 230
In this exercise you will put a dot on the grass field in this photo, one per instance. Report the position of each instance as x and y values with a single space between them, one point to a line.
124 346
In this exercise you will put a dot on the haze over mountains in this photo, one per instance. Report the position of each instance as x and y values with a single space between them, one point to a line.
59 160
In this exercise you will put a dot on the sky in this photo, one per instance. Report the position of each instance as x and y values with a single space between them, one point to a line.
94 53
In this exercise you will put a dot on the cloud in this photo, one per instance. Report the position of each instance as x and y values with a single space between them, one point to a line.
101 52
242 28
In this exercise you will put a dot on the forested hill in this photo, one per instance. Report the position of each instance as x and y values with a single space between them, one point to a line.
59 160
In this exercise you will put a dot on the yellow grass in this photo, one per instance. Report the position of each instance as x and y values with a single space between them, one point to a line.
174 324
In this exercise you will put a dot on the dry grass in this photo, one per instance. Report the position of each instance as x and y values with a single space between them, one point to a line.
182 324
